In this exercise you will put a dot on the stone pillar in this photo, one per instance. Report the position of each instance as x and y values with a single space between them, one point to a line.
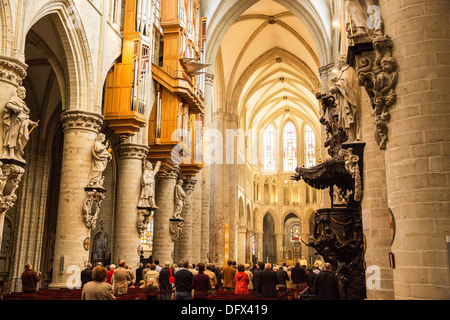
259 246
163 243
242 243
184 243
126 234
418 149
375 211
12 72
206 176
72 235
279 247
197 221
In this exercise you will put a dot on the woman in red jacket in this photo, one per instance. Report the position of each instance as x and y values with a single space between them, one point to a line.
241 281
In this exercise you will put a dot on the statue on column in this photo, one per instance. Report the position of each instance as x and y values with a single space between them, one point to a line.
147 197
360 24
100 157
345 87
180 197
16 122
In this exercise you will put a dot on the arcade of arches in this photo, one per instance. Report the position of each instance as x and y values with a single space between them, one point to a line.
172 130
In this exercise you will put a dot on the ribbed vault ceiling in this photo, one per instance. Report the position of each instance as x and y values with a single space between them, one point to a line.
270 67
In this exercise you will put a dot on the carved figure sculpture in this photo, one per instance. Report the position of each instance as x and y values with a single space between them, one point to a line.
180 197
100 157
345 87
386 80
147 197
16 122
364 18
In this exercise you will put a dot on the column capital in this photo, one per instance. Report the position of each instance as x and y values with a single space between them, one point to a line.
82 120
132 151
189 184
209 79
12 70
173 173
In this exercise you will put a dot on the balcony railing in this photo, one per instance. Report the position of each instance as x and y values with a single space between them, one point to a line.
176 74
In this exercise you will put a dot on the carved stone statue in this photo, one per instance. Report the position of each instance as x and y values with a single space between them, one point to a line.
386 80
364 19
147 197
180 197
100 157
345 87
16 122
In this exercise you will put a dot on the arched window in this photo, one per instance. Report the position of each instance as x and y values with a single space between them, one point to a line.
269 148
147 237
295 233
289 147
310 147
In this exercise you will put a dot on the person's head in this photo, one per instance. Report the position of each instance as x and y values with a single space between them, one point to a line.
261 265
268 266
122 263
275 268
151 281
112 267
148 265
240 268
297 264
89 265
21 92
246 266
229 262
233 262
99 274
327 266
157 261
28 266
99 264
153 267
167 264
186 264
201 267
209 266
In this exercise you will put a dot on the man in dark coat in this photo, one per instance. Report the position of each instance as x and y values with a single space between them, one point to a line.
183 283
164 284
256 276
267 283
86 274
298 276
30 279
326 284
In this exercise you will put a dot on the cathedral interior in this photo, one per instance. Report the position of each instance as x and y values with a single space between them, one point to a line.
250 130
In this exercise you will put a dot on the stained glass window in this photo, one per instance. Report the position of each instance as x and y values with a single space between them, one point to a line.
269 148
295 232
253 245
289 147
148 234
310 147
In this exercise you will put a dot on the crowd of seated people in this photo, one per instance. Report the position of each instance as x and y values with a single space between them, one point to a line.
187 281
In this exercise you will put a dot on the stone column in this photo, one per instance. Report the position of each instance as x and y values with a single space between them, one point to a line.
184 243
163 243
206 175
197 221
12 72
418 149
242 243
279 247
126 235
375 211
259 246
72 235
